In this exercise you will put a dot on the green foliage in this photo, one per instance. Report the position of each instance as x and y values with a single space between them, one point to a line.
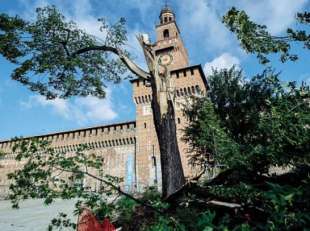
205 221
252 124
61 222
50 174
47 56
163 224
287 206
207 139
255 38
125 208
153 197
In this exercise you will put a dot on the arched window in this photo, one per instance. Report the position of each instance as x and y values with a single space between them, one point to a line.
166 33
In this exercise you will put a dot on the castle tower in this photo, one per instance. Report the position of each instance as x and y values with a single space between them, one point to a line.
168 40
187 80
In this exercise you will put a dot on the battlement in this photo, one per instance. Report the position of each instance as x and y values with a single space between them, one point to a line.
109 135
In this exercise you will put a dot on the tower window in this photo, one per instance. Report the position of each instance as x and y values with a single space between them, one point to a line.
170 19
193 89
179 120
144 125
166 33
165 19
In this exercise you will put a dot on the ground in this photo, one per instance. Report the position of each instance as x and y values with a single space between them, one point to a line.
32 215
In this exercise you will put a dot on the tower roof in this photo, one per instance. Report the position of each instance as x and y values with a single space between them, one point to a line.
166 9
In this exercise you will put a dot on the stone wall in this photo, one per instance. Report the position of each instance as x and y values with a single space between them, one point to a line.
115 143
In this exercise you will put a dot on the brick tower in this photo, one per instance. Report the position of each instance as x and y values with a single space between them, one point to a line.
187 80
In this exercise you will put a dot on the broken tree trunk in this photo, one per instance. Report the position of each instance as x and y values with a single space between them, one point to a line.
164 120
171 165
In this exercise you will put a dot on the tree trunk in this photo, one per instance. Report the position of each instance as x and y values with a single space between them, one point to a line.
171 166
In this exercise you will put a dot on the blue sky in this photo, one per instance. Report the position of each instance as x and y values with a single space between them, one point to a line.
209 43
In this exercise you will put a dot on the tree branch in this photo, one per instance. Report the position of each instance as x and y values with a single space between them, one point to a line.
116 188
64 45
124 193
134 68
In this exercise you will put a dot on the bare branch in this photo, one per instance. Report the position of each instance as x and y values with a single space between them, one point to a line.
134 68
224 204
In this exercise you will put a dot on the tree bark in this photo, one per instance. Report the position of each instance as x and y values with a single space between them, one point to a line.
171 166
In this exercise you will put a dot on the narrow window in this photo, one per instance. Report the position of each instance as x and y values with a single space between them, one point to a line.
184 73
178 75
192 71
144 125
138 83
166 33
166 19
193 89
170 19
179 120
154 161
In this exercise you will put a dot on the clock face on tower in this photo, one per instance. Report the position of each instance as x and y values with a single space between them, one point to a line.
165 59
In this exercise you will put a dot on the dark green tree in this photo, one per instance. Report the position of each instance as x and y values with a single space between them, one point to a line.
251 127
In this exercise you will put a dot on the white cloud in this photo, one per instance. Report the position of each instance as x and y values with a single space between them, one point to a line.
81 110
201 21
95 109
277 15
225 60
79 11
